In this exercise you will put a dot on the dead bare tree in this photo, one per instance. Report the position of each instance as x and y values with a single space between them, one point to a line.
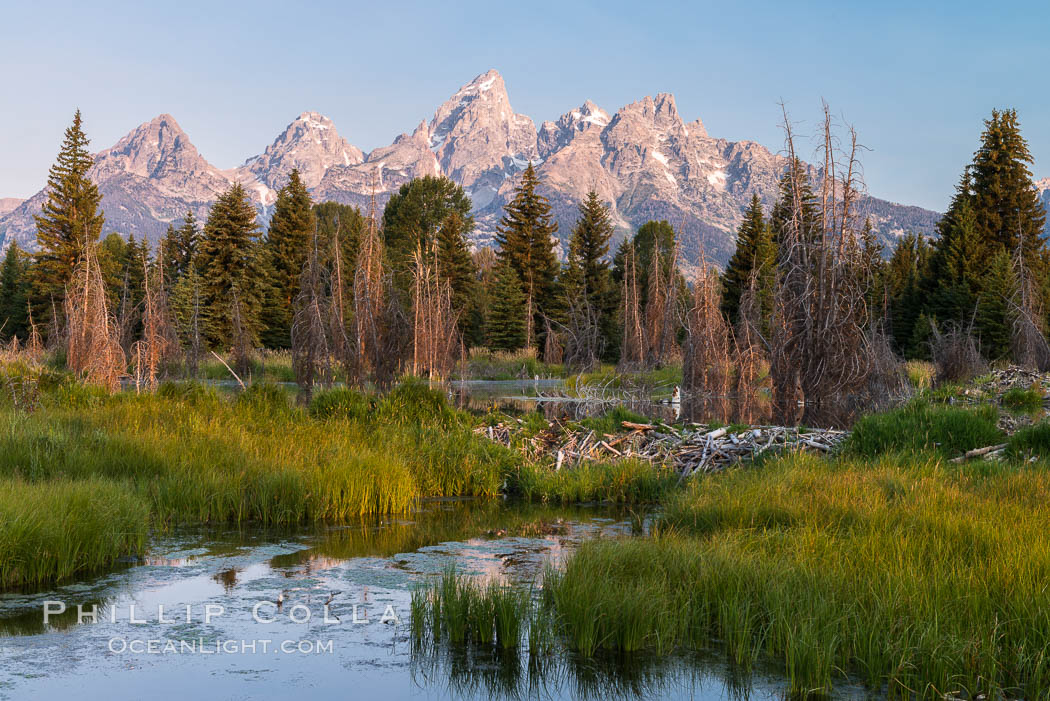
311 352
340 343
242 347
435 339
748 352
819 345
955 352
660 317
34 347
633 352
369 303
706 366
93 349
159 345
1028 333
584 341
553 343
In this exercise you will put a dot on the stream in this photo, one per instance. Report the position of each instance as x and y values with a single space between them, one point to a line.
198 617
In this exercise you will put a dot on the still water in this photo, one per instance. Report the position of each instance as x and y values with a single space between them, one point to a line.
199 617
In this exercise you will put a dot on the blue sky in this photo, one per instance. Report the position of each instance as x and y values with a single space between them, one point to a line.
915 78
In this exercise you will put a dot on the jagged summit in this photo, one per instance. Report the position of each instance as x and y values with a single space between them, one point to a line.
643 159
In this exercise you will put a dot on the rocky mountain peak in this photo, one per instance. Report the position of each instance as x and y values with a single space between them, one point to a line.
476 134
555 135
149 150
311 144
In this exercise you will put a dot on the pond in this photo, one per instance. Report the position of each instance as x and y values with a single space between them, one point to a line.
322 613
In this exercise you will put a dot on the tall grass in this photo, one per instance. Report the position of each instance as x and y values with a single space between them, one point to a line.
920 579
61 528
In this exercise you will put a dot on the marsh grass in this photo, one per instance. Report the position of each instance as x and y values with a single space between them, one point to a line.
189 454
1030 442
920 579
62 528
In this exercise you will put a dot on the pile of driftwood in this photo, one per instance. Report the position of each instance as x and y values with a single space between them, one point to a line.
690 449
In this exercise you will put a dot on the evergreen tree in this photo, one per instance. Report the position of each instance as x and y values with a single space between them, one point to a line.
587 275
454 261
69 221
1006 204
232 269
526 243
287 242
414 217
345 221
904 274
652 236
506 323
994 318
178 247
13 297
780 219
754 255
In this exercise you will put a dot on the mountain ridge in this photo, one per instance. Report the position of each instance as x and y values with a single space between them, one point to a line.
644 160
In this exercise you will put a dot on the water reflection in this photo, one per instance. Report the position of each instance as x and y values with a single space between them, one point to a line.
753 410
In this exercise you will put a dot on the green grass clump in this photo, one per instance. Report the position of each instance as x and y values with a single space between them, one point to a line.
341 403
913 575
920 373
1029 442
622 482
1021 399
62 528
923 427
612 421
461 610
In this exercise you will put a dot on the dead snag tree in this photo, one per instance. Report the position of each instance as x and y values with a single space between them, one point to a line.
93 349
369 303
435 340
706 366
1028 333
159 347
633 352
661 318
819 338
311 351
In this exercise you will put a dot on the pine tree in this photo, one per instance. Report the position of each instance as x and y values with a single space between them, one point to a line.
1006 204
13 289
69 221
506 327
587 275
414 217
231 267
287 242
454 262
781 215
178 247
651 236
526 244
346 222
908 267
994 318
754 255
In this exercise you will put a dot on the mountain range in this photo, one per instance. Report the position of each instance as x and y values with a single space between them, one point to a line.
644 160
